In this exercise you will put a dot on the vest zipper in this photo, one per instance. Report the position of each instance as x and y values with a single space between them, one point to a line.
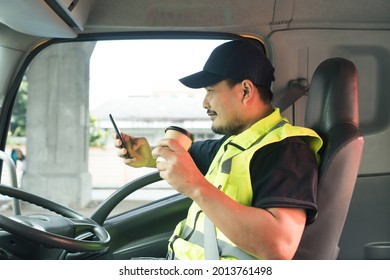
171 246
193 228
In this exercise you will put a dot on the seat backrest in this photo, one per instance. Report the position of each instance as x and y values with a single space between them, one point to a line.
332 111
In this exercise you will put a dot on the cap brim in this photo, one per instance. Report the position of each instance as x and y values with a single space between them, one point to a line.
201 79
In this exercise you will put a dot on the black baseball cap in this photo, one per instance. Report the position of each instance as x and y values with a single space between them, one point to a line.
237 59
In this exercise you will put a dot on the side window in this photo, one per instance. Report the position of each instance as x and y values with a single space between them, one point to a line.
60 136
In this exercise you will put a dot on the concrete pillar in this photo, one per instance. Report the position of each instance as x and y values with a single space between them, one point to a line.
57 125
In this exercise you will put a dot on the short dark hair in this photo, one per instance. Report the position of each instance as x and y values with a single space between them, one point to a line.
266 93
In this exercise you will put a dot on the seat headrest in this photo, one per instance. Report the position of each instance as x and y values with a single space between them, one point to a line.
333 96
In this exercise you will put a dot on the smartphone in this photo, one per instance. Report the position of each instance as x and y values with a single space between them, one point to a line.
118 132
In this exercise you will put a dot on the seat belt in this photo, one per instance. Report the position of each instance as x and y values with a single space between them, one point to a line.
210 241
296 89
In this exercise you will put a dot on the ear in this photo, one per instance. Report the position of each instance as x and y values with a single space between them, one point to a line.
247 90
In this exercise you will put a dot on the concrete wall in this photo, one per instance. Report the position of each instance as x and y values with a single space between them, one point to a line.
57 121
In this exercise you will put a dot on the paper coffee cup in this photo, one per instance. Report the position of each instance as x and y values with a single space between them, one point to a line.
184 137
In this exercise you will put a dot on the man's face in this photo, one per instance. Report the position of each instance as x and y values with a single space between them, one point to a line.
224 106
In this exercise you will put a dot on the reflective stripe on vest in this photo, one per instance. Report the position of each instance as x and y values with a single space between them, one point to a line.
229 171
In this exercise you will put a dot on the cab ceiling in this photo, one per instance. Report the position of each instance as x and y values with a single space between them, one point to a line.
243 16
257 17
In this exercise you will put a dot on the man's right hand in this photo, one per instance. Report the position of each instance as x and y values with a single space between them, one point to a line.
138 148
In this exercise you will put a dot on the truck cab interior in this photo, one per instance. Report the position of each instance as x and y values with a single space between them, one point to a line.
65 65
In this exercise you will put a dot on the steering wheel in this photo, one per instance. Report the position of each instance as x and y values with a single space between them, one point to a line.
113 200
81 224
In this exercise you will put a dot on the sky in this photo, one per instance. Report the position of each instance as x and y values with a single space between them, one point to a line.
119 69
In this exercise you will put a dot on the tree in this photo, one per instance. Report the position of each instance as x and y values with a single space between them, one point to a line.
96 135
18 119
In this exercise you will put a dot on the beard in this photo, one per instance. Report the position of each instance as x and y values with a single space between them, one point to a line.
232 128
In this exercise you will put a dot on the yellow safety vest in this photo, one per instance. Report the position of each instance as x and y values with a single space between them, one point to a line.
229 172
